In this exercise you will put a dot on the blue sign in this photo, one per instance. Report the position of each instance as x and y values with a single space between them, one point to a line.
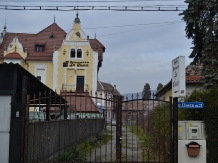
190 105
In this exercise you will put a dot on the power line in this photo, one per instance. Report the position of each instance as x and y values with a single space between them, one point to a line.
165 24
120 26
136 30
112 8
97 1
131 25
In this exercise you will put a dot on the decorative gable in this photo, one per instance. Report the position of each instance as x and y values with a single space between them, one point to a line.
76 34
15 49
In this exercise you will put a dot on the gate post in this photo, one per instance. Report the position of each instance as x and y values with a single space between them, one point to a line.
24 120
171 131
175 129
118 129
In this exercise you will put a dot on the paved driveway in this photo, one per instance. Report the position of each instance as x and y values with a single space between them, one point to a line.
131 150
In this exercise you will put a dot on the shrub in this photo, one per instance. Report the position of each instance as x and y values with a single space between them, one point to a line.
210 117
72 154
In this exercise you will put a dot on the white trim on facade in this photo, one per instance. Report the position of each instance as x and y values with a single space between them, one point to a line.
83 35
55 70
14 61
94 75
41 67
15 40
76 43
69 53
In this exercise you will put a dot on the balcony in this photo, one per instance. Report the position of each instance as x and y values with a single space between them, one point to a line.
75 87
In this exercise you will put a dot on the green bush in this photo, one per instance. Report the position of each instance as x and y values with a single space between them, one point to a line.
72 154
80 152
210 117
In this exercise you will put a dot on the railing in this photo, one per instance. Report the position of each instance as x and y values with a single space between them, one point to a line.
75 87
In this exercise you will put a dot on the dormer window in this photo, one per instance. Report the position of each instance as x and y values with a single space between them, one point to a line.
39 48
52 35
76 53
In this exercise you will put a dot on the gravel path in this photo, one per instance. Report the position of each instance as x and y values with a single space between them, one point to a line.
131 150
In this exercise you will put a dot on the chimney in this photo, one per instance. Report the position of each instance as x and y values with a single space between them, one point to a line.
114 87
87 37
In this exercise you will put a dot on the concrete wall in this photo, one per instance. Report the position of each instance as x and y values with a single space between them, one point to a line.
5 118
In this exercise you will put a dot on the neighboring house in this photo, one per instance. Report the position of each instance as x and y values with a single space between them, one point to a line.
65 62
108 92
193 82
132 111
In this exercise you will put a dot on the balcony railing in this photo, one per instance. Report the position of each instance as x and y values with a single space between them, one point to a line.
75 87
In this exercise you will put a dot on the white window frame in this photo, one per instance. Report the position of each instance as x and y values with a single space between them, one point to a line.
70 58
41 67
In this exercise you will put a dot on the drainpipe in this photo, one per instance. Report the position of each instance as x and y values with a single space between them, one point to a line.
26 64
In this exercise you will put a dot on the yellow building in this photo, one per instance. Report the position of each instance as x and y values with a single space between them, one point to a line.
62 61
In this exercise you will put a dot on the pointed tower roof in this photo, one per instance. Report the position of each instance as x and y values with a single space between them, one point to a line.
77 20
4 31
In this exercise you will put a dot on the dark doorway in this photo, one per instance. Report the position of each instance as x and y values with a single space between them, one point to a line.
80 84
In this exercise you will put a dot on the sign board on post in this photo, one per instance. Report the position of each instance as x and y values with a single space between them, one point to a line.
178 76
190 105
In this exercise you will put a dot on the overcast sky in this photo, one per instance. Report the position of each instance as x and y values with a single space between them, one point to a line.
139 52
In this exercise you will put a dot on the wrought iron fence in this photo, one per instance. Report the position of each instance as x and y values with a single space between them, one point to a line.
73 128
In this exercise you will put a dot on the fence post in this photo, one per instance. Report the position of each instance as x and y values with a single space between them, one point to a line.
171 132
47 109
118 129
175 129
24 101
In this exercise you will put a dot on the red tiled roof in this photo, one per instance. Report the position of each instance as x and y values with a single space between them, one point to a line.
29 41
102 86
140 105
193 78
82 102
101 49
13 56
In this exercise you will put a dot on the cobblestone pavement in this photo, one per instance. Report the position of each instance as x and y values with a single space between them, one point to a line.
131 150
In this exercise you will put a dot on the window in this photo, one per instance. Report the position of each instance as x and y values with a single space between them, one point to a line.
52 35
41 75
40 72
39 78
108 103
79 53
72 53
39 48
75 53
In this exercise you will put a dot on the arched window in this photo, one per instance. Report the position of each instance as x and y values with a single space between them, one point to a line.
79 53
72 53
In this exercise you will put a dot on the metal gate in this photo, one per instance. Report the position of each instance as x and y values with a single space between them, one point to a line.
77 127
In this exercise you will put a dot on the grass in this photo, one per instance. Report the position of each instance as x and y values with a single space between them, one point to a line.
80 152
149 153
146 141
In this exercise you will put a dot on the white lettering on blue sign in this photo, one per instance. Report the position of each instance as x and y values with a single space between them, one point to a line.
191 105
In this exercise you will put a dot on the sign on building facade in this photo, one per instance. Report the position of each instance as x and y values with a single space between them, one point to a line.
178 77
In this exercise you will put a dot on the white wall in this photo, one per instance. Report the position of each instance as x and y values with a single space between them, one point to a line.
191 87
5 119
13 61
183 156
